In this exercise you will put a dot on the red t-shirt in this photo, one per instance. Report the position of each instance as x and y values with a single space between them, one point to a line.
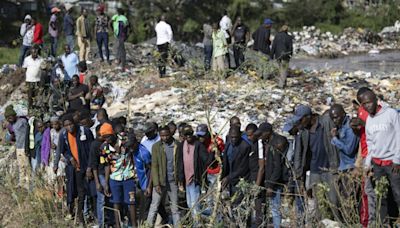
38 34
220 147
363 115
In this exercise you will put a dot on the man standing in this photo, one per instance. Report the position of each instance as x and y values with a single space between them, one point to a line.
282 51
18 128
193 162
77 93
75 146
164 38
38 34
101 29
69 25
383 140
164 175
26 32
53 31
219 49
70 61
226 25
261 37
83 35
151 136
208 45
33 72
120 27
241 37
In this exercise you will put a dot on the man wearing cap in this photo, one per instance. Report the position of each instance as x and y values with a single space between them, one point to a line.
192 164
282 51
101 30
69 26
261 37
26 31
33 72
151 136
316 153
83 34
53 31
75 146
164 175
17 128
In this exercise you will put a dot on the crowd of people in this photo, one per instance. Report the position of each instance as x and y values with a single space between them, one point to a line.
97 161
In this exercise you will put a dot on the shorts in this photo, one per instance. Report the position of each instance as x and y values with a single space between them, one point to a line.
123 191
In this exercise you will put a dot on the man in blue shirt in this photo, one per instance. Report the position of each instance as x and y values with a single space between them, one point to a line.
70 61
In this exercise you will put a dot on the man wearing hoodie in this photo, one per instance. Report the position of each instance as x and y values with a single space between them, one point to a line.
383 139
26 31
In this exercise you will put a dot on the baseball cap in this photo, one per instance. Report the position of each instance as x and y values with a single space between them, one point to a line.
106 129
268 21
55 10
300 112
201 130
289 124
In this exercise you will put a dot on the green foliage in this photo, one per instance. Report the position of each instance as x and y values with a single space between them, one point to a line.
191 26
8 55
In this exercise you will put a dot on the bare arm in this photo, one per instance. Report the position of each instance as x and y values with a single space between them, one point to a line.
260 174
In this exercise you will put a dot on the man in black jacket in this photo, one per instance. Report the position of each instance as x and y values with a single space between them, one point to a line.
193 160
282 51
236 161
261 37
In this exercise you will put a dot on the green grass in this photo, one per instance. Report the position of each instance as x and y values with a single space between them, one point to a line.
8 55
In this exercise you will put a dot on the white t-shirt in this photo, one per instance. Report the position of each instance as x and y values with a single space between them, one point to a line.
164 33
33 70
260 150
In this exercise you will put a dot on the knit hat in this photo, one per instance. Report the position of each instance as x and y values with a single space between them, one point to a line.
9 111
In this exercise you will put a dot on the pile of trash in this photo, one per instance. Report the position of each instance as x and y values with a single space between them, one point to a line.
311 41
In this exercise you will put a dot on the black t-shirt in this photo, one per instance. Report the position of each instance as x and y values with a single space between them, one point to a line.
77 103
240 34
94 157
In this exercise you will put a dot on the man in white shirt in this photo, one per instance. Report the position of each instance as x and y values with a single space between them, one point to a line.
33 72
164 38
151 136
226 25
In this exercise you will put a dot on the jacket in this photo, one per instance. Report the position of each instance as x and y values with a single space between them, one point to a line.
83 143
282 47
159 164
302 152
81 30
261 40
273 167
239 168
201 160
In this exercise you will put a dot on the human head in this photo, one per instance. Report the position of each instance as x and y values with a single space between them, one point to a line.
215 27
361 91
10 114
34 20
69 124
180 131
68 7
165 135
163 17
28 19
302 114
75 80
280 143
112 140
40 126
238 20
122 120
268 22
102 115
105 130
284 28
202 132
67 49
225 12
55 123
94 79
250 132
235 121
151 129
172 127
35 51
235 135
337 114
291 126
85 119
264 131
55 10
76 115
84 12
82 67
369 102
120 11
100 9
188 133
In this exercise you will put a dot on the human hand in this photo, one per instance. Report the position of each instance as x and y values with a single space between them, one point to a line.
396 169
334 132
107 191
99 188
89 174
147 192
158 189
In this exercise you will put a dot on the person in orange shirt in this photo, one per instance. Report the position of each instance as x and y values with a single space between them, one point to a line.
75 146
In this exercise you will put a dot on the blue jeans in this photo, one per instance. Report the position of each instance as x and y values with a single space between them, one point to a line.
23 52
275 204
101 201
102 38
70 41
192 197
208 49
53 46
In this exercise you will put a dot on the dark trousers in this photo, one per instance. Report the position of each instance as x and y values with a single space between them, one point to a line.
53 46
238 53
102 39
394 181
23 53
81 188
143 205
163 49
260 208
33 88
208 49
121 53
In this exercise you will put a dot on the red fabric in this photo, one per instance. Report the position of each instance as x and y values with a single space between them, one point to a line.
220 147
188 161
363 115
38 34
82 78
364 206
381 162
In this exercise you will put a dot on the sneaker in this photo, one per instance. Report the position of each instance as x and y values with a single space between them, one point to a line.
69 217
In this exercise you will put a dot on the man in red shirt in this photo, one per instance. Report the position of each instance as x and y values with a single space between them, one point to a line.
38 33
